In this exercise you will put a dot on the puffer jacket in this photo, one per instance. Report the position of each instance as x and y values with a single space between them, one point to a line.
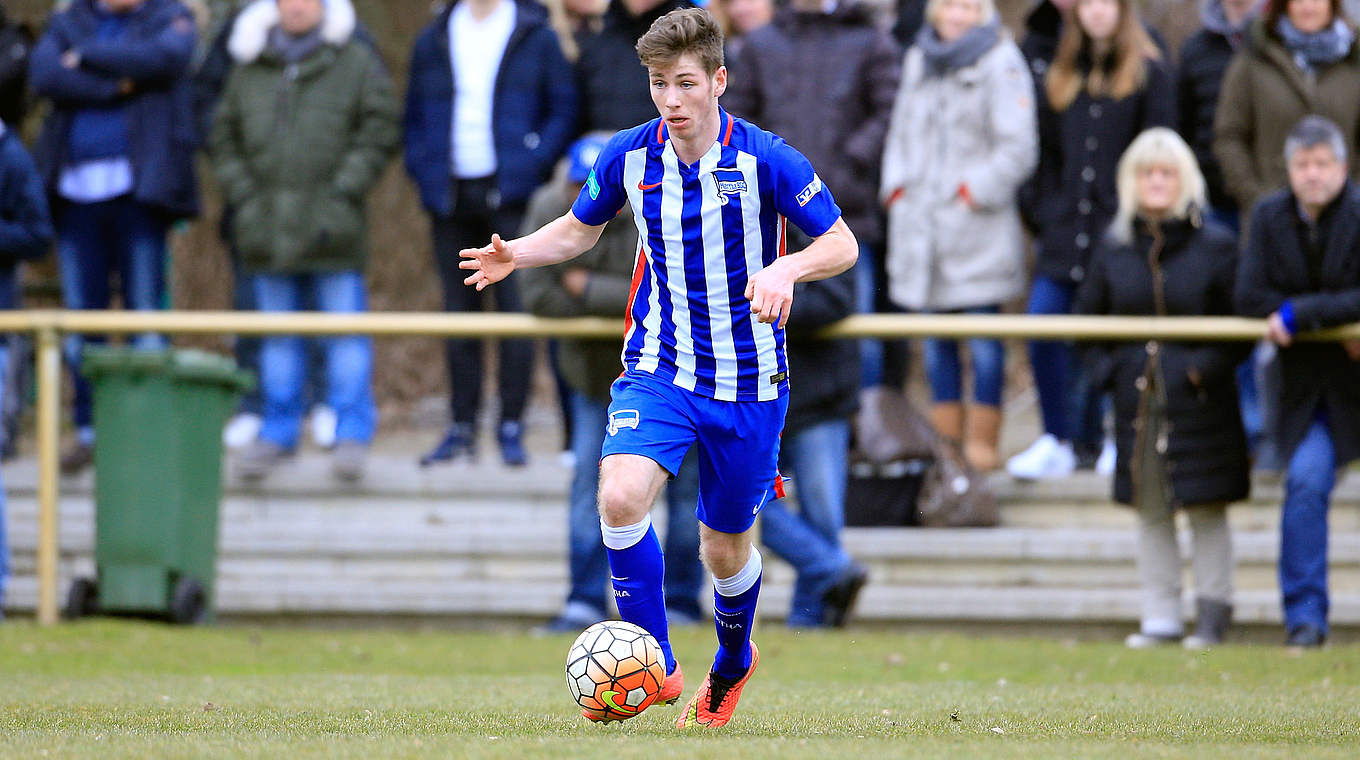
297 147
1174 268
825 83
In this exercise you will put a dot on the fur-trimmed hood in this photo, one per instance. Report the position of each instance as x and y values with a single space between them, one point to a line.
250 32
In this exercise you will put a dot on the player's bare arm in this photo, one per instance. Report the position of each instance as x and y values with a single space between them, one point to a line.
770 290
564 238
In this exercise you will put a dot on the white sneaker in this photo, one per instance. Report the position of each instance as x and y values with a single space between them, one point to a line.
1045 458
1148 641
1108 455
241 431
321 426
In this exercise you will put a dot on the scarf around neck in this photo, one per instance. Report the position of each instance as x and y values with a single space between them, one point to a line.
1312 50
943 57
292 48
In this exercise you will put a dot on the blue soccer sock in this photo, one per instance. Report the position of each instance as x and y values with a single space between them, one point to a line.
637 568
734 613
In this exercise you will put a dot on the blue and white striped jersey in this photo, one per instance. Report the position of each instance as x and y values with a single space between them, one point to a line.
703 230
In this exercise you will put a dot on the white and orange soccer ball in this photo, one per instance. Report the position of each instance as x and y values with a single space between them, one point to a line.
615 670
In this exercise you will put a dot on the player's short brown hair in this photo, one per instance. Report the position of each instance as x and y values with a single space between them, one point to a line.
688 30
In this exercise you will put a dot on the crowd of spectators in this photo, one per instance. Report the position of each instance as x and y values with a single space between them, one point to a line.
950 145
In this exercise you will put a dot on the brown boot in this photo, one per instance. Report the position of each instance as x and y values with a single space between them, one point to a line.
984 436
947 419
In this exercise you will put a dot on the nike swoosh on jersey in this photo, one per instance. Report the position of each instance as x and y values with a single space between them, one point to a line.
645 188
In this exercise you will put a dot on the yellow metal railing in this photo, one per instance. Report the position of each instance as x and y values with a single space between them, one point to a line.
49 326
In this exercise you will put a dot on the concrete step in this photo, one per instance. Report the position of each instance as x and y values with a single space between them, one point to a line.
414 541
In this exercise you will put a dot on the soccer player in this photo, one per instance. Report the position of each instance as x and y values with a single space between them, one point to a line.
703 347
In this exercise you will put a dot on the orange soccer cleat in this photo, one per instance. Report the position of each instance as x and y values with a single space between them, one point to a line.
715 701
672 687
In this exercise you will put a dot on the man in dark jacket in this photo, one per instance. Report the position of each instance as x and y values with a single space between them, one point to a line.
305 126
825 81
116 154
598 284
614 91
477 151
1301 271
25 233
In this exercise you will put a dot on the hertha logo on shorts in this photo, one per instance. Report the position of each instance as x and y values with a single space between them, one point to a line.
729 182
623 418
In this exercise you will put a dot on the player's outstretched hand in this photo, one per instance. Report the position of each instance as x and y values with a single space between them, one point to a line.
490 264
770 292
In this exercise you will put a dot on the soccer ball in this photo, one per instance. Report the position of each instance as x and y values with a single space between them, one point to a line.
615 670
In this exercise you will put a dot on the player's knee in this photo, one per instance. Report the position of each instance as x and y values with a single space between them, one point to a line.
621 504
725 555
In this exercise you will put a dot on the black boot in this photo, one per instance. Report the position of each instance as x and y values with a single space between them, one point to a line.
1212 618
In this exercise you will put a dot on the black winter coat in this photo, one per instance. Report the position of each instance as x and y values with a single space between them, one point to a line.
611 80
1206 447
16 42
1072 197
1204 60
826 84
1274 270
823 374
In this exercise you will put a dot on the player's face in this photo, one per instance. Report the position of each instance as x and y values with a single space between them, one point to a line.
1158 187
686 96
1099 18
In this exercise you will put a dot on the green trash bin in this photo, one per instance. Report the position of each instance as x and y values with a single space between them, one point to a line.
157 480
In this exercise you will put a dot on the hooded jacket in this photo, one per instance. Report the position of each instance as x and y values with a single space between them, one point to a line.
296 147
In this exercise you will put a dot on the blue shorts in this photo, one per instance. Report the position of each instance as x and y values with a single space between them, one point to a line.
738 443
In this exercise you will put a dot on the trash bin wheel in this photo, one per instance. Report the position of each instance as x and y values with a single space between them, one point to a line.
188 603
82 599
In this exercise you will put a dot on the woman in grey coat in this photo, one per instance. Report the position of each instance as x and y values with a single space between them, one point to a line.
963 138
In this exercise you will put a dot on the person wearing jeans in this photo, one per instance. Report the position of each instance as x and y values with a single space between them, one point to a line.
809 538
116 154
959 146
283 359
95 241
1298 273
296 177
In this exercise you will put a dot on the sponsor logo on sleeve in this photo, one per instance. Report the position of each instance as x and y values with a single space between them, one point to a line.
813 187
593 186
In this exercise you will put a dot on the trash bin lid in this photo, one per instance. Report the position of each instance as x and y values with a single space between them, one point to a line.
185 364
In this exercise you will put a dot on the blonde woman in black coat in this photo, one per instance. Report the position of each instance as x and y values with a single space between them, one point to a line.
1178 430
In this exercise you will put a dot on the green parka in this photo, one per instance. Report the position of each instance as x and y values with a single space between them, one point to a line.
296 147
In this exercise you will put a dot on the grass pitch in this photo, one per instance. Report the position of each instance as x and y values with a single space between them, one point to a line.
125 689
